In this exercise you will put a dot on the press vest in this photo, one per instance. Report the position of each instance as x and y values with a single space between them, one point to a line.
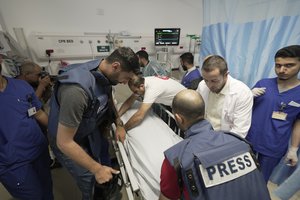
97 86
214 166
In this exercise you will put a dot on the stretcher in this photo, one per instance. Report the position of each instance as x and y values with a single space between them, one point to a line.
141 155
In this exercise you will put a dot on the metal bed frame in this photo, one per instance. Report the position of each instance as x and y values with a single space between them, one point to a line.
129 180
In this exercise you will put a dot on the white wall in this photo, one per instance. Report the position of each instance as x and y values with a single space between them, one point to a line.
134 16
100 16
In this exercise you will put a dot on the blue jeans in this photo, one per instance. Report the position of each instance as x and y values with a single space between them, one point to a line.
84 179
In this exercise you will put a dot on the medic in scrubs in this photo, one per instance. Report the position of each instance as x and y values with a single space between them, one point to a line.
24 157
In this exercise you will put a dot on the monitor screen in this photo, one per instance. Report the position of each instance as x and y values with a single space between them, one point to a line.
166 36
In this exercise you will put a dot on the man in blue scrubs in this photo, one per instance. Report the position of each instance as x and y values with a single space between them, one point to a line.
276 111
192 77
24 157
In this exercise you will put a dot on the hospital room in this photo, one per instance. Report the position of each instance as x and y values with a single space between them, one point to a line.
150 100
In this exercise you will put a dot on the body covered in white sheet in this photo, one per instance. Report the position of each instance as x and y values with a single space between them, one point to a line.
145 145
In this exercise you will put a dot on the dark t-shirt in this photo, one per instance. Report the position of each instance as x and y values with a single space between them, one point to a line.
73 101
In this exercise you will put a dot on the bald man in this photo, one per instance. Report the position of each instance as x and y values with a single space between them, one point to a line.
31 73
208 164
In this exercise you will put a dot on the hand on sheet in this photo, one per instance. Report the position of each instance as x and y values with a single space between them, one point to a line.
104 174
291 157
258 91
120 133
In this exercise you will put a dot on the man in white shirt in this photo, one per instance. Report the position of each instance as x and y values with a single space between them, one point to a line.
149 90
228 101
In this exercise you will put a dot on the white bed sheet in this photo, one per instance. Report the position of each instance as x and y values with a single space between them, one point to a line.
145 145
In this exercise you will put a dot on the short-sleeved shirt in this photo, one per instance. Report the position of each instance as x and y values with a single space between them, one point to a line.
73 101
161 90
21 139
270 136
169 182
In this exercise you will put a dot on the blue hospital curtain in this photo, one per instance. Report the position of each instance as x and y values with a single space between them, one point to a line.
248 34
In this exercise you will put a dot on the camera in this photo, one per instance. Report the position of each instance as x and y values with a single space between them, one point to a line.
43 74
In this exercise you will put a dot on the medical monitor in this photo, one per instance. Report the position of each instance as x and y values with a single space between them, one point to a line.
166 36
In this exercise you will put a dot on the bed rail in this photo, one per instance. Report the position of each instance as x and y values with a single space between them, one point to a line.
129 180
167 116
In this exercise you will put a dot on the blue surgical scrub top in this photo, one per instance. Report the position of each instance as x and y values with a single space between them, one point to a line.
21 139
187 79
271 136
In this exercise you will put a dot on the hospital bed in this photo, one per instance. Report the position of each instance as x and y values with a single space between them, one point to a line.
130 182
139 173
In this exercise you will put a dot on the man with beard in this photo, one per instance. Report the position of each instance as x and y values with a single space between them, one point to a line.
276 112
228 101
80 113
150 67
192 76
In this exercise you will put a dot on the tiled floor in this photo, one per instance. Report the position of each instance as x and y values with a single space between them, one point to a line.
65 188
272 187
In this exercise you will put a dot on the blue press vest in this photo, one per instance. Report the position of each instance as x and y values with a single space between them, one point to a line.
97 87
207 157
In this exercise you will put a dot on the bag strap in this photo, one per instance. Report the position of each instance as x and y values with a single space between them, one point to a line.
177 167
